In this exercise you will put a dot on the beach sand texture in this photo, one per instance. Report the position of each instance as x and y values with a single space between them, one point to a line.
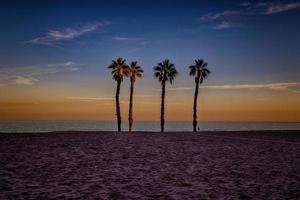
106 165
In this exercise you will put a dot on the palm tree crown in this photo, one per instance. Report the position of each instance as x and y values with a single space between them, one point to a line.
165 71
119 69
199 70
135 70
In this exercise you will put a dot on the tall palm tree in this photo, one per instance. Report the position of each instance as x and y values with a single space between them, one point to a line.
164 71
200 71
135 71
119 70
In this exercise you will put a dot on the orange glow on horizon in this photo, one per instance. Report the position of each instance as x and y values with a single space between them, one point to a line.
213 106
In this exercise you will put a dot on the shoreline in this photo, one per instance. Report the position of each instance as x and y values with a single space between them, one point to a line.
186 132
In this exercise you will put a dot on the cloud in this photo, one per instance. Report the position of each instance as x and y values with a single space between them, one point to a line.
245 4
118 38
69 66
21 80
179 88
53 37
296 91
176 89
250 9
111 101
270 86
66 64
268 8
90 98
104 100
27 75
211 17
223 25
279 8
144 95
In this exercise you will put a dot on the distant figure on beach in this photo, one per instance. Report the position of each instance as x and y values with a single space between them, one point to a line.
198 129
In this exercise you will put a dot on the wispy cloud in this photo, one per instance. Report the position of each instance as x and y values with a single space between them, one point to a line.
176 89
271 86
68 66
145 95
214 16
21 80
103 100
296 91
28 75
223 25
109 100
54 37
279 8
90 98
245 4
248 9
179 88
119 38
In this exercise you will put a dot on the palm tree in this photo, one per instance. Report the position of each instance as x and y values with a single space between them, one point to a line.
164 71
135 71
200 71
119 70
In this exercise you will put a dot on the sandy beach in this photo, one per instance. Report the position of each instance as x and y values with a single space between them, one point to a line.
106 165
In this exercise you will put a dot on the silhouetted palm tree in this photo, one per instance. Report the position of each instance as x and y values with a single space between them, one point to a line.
135 71
164 71
200 71
119 70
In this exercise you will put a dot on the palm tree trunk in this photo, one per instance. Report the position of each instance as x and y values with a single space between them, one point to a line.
195 105
130 117
118 106
162 108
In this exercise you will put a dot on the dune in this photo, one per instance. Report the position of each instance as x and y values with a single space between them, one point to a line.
140 165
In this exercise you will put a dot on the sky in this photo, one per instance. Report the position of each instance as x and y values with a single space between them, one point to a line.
54 57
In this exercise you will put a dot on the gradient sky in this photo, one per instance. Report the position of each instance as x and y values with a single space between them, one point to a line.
54 57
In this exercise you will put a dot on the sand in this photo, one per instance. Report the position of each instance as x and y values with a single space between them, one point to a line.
106 165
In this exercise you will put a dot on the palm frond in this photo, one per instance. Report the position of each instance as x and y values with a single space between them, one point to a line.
119 69
199 70
165 71
135 70
158 68
192 70
157 74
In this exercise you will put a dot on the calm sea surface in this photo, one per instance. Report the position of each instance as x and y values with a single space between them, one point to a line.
45 126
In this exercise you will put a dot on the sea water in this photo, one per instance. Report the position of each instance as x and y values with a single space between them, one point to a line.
46 126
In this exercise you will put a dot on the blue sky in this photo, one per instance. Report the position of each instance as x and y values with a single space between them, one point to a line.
64 43
264 43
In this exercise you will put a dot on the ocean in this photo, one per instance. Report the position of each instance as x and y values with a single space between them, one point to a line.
46 126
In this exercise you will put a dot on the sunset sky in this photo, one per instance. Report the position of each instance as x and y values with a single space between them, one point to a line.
54 57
